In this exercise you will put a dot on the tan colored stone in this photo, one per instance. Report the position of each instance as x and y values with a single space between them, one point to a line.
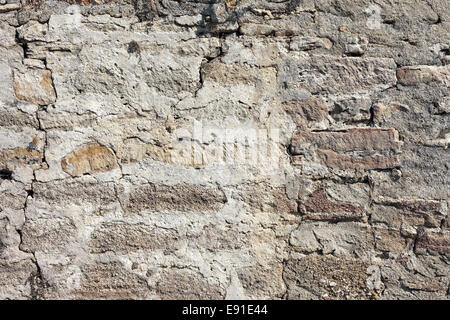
89 159
18 157
236 73
35 86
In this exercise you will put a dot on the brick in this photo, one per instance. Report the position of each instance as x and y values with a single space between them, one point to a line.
47 235
214 238
319 207
438 242
252 29
343 238
309 43
307 112
180 197
124 238
356 148
109 281
391 240
404 212
174 284
262 281
74 192
267 199
237 73
15 278
328 74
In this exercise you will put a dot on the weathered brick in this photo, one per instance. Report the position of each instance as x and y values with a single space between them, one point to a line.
74 192
403 212
109 281
328 74
310 112
391 240
15 278
180 197
17 118
262 281
252 29
175 283
214 238
47 235
320 206
124 237
356 148
438 242
342 238
267 199
236 74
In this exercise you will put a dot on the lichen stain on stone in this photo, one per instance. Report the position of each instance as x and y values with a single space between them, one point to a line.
90 159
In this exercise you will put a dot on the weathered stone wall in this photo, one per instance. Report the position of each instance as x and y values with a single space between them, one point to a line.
270 149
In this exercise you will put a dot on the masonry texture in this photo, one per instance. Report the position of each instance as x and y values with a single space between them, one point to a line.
129 168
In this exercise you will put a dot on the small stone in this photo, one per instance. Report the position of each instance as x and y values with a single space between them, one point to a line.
396 174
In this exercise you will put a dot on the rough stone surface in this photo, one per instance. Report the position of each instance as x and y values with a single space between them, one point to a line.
259 149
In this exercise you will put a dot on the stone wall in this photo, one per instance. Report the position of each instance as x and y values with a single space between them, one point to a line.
243 149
